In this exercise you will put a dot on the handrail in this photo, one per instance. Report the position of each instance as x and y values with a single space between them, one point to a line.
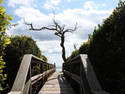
20 85
87 79
36 78
73 76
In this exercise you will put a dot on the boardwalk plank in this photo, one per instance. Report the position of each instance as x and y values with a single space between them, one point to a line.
56 84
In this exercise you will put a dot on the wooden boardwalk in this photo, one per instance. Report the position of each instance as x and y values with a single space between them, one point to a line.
56 84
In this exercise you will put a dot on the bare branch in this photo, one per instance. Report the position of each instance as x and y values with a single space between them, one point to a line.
59 31
71 30
39 29
63 27
58 27
57 34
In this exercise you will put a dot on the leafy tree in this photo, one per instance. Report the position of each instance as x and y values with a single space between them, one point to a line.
107 51
4 41
60 31
44 58
19 46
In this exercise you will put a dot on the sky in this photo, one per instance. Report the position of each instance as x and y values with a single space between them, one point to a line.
87 14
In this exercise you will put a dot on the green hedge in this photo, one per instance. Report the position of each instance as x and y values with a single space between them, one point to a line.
4 41
107 51
14 53
82 50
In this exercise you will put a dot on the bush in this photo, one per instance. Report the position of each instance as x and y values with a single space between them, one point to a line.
4 41
19 46
82 50
107 51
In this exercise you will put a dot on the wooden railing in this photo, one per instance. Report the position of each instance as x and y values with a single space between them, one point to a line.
80 74
26 76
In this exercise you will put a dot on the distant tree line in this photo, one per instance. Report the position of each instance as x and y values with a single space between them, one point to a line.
106 51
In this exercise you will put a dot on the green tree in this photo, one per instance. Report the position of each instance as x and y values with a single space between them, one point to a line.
107 51
83 49
4 41
14 52
44 58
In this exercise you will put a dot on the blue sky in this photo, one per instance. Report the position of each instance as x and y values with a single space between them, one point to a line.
87 13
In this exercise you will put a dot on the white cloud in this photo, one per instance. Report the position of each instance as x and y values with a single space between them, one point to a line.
52 4
68 0
90 5
104 5
13 3
30 14
49 46
49 43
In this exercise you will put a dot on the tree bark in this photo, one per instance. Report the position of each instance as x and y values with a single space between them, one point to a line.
59 31
63 48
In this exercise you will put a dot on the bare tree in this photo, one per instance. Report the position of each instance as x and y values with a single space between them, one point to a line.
59 31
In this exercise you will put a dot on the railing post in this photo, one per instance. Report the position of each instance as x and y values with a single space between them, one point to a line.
54 66
21 85
30 79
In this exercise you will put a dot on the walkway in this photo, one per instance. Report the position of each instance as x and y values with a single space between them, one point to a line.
56 84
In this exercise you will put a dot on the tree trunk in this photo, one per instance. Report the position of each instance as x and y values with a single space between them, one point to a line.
63 48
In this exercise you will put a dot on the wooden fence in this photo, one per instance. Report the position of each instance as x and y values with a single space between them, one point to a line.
80 74
31 71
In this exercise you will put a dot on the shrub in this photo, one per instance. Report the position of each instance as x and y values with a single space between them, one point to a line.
4 41
19 46
107 51
82 50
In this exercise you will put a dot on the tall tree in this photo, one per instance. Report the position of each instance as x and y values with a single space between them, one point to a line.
4 41
107 51
60 31
14 52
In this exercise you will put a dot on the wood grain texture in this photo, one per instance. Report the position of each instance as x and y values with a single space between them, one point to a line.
56 84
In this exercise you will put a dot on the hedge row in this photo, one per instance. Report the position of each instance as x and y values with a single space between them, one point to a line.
14 53
106 51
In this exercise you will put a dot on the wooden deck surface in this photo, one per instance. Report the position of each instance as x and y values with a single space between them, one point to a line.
56 84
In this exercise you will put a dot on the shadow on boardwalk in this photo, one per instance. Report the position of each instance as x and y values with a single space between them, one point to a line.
65 87
56 84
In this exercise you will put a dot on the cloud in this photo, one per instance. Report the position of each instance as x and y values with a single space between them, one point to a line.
104 5
14 3
68 0
30 14
90 5
87 18
49 46
52 4
22 29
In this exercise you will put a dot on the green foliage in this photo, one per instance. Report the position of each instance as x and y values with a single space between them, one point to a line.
82 50
74 53
44 58
107 51
4 41
15 51
2 76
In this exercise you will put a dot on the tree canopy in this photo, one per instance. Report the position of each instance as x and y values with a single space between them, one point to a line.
14 53
106 51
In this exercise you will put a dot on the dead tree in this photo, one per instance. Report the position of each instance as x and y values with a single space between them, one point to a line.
59 31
